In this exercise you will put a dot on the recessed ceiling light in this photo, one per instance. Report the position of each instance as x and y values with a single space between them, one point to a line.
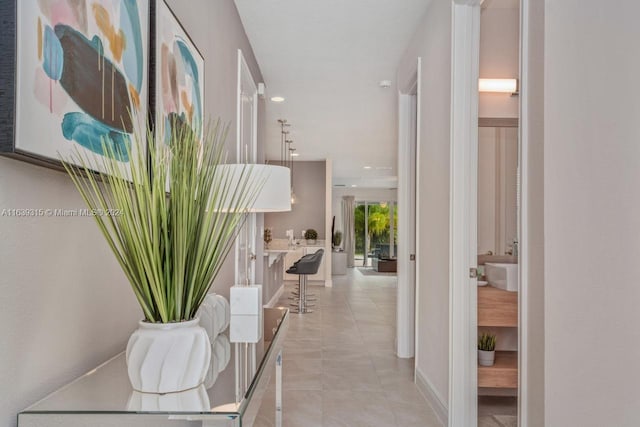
295 154
385 84
367 167
277 99
353 185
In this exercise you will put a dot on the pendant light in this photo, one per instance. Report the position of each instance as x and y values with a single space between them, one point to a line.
293 194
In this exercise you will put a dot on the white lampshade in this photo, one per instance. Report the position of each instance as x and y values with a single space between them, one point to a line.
276 191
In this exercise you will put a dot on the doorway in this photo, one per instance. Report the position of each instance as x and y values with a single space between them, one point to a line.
468 241
376 231
247 129
498 210
408 211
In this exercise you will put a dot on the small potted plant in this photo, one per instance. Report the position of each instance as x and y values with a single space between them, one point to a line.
486 349
337 239
170 245
268 236
311 235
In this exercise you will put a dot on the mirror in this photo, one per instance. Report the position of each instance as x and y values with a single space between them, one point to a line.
497 186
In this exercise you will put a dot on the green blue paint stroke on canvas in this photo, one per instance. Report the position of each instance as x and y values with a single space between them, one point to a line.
132 57
92 134
105 84
191 69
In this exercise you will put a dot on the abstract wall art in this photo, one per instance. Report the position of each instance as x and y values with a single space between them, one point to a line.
179 75
81 73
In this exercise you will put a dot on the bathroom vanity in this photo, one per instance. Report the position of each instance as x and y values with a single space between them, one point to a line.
498 308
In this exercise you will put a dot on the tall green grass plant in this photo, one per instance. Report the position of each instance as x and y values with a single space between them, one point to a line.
170 244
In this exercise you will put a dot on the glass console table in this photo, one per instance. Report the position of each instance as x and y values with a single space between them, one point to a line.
103 397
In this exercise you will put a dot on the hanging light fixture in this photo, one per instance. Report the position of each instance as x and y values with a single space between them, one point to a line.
293 194
286 152
283 137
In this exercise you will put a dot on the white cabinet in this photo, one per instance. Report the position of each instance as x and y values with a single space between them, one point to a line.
338 263
293 256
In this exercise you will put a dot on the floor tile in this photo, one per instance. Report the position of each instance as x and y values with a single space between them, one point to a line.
340 367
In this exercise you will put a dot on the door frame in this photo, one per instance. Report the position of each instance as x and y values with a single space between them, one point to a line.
408 151
463 397
523 221
245 78
463 323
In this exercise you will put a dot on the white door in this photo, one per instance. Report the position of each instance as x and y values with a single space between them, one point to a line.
408 136
463 234
247 121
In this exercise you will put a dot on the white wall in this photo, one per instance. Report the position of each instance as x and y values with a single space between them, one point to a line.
487 190
499 58
592 213
432 42
497 189
66 305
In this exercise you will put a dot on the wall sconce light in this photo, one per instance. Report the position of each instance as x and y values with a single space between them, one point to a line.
498 85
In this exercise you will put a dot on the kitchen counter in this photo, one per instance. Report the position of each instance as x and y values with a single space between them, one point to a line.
283 244
275 254
279 248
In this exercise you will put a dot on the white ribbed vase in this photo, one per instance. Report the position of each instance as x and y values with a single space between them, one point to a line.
168 357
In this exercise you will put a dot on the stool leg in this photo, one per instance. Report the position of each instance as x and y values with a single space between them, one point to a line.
304 287
301 293
304 292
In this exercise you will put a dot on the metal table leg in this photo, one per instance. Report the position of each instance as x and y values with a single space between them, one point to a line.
279 389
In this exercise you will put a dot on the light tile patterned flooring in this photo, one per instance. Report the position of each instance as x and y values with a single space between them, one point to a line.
494 411
339 364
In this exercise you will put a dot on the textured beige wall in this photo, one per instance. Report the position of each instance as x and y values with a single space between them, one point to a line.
66 306
309 185
591 213
499 58
432 42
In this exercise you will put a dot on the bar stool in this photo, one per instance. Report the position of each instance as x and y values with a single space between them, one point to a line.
308 264
295 294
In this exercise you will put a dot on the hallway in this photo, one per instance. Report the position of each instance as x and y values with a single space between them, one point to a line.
339 362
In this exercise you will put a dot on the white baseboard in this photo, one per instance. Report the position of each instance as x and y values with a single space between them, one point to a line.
275 298
432 397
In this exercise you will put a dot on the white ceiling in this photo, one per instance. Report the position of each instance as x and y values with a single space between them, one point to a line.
327 57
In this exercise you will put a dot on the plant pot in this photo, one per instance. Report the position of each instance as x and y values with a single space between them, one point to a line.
311 241
214 314
220 356
486 358
168 357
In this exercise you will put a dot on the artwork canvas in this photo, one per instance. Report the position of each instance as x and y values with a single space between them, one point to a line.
179 76
82 72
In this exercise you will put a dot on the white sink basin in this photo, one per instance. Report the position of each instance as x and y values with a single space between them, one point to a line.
503 276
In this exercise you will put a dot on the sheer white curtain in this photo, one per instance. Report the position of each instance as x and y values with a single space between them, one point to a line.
348 225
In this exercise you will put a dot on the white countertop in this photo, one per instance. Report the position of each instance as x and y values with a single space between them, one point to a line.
278 245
